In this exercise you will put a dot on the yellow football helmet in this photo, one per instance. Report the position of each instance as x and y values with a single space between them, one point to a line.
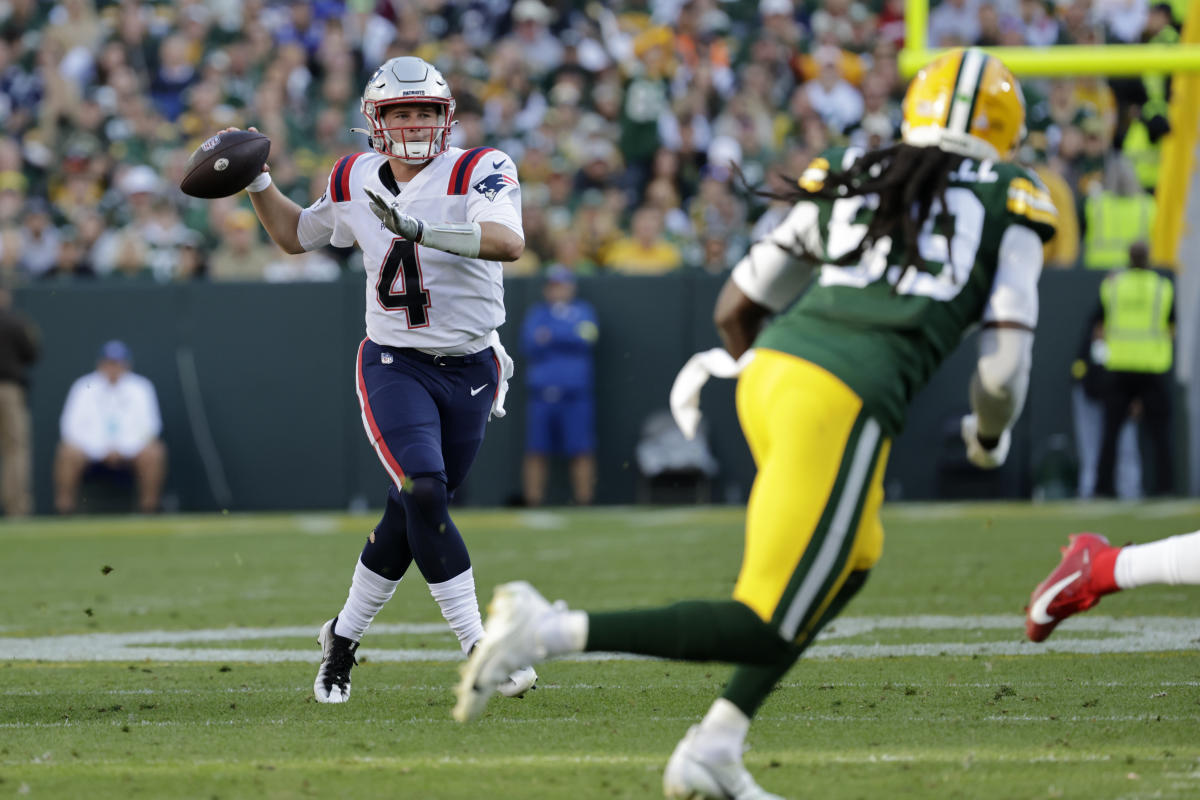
965 102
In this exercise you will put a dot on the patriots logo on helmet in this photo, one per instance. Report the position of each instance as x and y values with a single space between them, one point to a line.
492 185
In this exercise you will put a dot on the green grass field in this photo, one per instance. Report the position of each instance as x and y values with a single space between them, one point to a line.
174 657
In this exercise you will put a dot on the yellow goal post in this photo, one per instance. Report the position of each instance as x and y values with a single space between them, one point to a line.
1182 60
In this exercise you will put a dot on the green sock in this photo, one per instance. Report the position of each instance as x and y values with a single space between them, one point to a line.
695 630
750 685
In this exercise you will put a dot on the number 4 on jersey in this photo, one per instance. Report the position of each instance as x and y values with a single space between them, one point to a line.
401 267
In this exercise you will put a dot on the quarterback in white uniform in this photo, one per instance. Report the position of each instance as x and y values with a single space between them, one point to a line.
434 224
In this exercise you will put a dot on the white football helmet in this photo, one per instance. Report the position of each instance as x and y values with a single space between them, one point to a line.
407 79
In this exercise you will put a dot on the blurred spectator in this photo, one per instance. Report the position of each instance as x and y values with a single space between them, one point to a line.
779 19
1123 19
837 102
1087 406
302 27
539 243
890 25
954 23
569 253
599 167
715 207
661 194
833 22
1038 26
172 77
557 338
1148 110
881 118
715 253
72 261
18 352
990 31
646 250
75 191
192 256
110 424
542 50
1139 329
1115 211
20 89
39 240
1098 167
154 229
242 255
646 100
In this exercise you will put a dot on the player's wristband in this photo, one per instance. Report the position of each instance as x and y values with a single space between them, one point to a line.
460 238
260 183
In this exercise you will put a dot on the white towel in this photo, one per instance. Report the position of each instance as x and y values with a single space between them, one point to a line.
685 392
506 372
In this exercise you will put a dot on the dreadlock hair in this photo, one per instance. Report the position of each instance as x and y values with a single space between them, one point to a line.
907 179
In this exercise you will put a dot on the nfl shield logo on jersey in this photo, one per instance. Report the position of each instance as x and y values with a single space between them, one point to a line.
385 358
492 185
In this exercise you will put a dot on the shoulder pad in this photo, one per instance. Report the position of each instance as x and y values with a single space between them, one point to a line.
1029 201
339 178
837 158
460 175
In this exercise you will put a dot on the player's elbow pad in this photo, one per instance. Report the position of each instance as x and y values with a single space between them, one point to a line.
1001 377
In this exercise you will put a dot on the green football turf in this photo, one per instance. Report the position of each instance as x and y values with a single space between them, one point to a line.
924 688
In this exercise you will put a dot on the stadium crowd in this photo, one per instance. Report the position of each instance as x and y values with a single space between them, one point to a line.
637 125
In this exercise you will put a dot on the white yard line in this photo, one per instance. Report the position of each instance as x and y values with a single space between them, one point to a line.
607 687
117 720
937 635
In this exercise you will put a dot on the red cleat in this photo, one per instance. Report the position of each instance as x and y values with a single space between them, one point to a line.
1072 587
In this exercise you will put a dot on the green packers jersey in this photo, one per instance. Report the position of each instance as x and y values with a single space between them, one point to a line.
882 329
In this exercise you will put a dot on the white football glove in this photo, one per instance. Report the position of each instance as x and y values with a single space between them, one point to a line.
976 453
396 220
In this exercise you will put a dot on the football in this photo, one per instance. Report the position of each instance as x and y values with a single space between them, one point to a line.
225 164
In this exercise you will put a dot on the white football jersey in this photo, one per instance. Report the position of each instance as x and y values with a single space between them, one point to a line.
418 296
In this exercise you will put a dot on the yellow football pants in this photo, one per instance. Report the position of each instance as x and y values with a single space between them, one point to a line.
813 514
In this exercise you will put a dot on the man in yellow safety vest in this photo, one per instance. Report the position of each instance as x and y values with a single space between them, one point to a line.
1139 315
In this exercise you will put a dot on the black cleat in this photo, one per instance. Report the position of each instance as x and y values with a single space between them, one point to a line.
337 659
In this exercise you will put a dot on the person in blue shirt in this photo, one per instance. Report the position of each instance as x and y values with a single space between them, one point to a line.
557 338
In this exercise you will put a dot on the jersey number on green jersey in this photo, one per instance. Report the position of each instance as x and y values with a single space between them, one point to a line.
948 243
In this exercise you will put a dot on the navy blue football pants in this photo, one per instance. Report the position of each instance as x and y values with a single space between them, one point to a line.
425 416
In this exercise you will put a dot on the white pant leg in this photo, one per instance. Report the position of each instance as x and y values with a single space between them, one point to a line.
1129 461
1088 417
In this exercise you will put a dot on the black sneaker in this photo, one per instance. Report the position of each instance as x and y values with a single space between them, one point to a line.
337 659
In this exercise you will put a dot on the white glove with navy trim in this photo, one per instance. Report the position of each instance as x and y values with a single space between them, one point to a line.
977 454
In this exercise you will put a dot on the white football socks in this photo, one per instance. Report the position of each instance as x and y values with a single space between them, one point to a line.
1174 561
456 597
563 632
369 591
723 729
